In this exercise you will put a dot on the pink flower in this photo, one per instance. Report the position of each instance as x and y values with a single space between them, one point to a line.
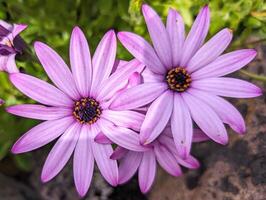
184 79
10 45
78 109
162 151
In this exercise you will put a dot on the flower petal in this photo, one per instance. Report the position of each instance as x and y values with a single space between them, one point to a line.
39 111
226 111
107 166
11 66
129 165
103 60
141 50
206 119
119 153
189 162
121 136
147 171
167 160
138 96
158 34
56 69
211 50
18 28
41 135
226 64
102 139
182 127
40 91
60 153
176 30
80 60
228 87
116 80
83 163
150 77
199 136
157 117
124 118
196 36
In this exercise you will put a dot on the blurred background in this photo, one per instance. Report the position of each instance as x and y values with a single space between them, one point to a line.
234 172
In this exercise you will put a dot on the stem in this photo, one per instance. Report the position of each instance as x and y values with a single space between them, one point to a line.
253 76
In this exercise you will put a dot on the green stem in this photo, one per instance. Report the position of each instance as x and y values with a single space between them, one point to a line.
253 76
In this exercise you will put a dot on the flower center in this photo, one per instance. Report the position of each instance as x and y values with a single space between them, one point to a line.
178 79
87 110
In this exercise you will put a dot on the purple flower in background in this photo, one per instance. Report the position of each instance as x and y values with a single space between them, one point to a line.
2 102
163 151
78 109
10 45
185 79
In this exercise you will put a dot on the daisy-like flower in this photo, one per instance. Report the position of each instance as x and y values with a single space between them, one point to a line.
76 110
163 151
185 79
10 45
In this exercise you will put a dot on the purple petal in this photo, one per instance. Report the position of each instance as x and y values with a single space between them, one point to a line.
41 135
226 111
147 171
60 153
103 60
157 117
158 34
2 102
80 60
11 66
134 79
56 69
226 64
228 87
176 30
107 166
40 91
138 96
150 77
119 153
196 36
39 112
124 118
167 160
199 136
129 165
182 127
206 119
211 50
83 163
116 80
189 162
142 50
102 139
122 136
18 28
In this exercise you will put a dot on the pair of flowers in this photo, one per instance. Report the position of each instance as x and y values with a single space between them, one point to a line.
145 106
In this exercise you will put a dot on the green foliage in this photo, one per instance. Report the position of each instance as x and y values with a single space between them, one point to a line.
51 22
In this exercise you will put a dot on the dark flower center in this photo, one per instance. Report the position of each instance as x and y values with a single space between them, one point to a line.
87 110
178 79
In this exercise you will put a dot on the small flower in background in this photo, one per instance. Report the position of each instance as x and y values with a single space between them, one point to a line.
78 109
11 44
163 151
185 79
2 102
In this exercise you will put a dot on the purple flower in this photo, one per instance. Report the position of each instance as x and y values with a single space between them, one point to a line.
184 79
2 102
78 109
162 151
10 45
